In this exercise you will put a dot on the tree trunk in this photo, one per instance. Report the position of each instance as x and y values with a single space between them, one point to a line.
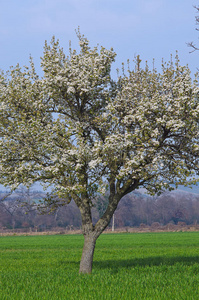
87 254
91 233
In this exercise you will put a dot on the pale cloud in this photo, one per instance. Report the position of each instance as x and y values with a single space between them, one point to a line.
151 6
63 16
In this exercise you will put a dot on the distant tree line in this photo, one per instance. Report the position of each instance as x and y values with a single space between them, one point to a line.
134 210
170 207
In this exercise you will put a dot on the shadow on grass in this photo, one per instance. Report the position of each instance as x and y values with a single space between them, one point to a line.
115 265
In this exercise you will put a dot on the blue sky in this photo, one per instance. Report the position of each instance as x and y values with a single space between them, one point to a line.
151 28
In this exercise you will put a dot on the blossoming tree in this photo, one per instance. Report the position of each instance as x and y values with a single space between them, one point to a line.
81 132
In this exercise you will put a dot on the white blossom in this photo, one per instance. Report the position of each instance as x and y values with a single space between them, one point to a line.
79 130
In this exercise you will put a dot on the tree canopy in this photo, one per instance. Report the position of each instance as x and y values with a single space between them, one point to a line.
83 133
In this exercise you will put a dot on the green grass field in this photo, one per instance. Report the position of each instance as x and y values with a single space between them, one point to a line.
126 266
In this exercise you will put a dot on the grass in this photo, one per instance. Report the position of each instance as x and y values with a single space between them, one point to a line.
126 266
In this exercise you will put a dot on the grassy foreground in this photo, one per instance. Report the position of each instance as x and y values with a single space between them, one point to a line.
126 266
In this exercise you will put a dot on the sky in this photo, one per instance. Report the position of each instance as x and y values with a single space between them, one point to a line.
150 28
